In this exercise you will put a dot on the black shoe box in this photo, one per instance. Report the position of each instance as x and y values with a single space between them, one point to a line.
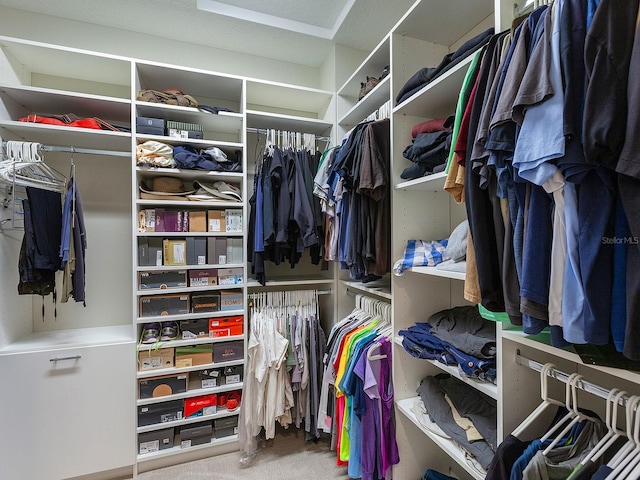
163 279
196 434
194 328
150 126
225 427
228 351
162 386
160 412
233 374
150 442
205 302
162 305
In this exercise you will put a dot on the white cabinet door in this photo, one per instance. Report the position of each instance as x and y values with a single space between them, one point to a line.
67 412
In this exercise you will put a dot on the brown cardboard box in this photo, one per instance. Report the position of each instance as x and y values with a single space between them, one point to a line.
197 221
192 355
155 359
175 251
216 221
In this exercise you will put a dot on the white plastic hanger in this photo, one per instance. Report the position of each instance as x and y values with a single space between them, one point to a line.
620 460
611 421
25 167
546 401
577 415
631 460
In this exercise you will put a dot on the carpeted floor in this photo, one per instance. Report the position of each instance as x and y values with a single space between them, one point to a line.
287 457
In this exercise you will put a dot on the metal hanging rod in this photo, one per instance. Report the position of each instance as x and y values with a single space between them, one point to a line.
87 151
319 292
563 377
265 130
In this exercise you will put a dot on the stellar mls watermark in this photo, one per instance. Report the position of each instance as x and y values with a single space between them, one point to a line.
620 240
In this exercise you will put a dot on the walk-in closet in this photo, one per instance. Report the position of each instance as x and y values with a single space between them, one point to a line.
347 239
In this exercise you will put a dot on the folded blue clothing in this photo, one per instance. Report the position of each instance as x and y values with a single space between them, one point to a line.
188 158
419 342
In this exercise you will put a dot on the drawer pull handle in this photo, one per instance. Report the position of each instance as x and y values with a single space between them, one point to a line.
60 359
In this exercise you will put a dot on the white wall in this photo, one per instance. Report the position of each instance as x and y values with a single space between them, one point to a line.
59 31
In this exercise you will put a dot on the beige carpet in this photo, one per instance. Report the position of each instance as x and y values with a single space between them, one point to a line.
287 457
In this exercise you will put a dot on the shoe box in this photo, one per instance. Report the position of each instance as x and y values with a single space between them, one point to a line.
217 250
230 276
226 326
196 250
150 126
166 279
162 305
228 351
203 277
201 406
210 377
230 300
196 434
155 359
160 412
205 302
155 441
162 386
150 252
193 355
184 130
217 221
194 328
224 427
233 374
198 221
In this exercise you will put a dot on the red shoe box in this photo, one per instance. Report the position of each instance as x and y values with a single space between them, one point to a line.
200 406
226 326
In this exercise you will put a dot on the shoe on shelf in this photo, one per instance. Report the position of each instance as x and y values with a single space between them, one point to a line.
150 333
233 400
366 87
363 91
169 331
385 72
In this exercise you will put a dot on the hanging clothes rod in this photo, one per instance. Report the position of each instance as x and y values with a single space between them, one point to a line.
264 131
588 387
319 292
379 296
87 151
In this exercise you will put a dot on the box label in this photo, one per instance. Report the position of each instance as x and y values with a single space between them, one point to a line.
175 133
232 379
151 362
202 260
149 447
179 253
214 225
210 383
200 282
234 220
185 443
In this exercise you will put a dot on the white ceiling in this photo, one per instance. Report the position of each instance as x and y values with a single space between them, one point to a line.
359 24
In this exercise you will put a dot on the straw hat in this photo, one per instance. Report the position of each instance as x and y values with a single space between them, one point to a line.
169 186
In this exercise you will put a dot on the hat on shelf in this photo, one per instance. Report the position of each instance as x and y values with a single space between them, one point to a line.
164 188
221 191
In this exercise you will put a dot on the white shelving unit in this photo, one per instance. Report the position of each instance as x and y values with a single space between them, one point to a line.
447 445
90 352
68 351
